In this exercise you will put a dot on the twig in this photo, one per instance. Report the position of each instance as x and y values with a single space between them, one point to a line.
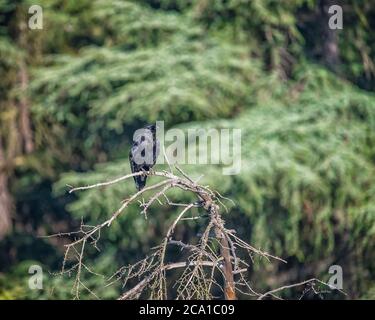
296 285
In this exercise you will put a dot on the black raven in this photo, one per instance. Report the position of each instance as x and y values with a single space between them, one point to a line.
143 153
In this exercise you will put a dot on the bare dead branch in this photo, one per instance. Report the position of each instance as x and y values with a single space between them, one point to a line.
203 263
313 280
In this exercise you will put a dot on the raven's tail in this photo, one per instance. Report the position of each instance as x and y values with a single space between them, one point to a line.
140 182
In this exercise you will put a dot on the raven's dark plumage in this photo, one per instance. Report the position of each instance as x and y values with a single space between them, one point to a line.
143 153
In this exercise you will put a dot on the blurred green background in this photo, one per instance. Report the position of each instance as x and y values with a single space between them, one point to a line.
72 93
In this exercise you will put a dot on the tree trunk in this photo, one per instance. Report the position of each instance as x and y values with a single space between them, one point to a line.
5 198
229 286
330 44
25 123
23 102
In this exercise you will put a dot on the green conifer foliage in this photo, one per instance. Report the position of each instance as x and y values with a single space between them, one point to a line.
101 69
